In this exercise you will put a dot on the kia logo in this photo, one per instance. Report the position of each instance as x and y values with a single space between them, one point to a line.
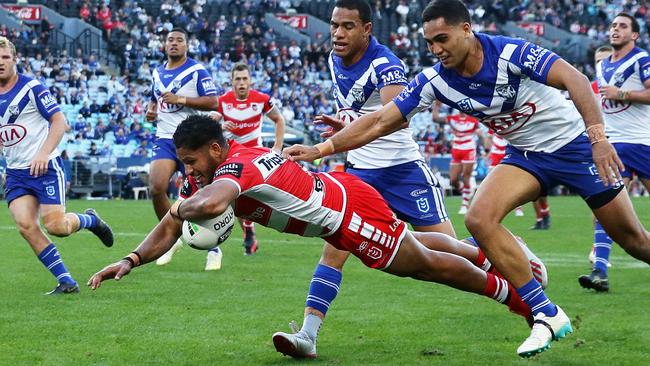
12 134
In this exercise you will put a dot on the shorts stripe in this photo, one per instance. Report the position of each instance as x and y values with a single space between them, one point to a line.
431 179
60 179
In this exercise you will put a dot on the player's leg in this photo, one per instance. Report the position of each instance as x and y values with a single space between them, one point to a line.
415 260
545 212
467 168
507 187
160 172
250 239
24 210
61 224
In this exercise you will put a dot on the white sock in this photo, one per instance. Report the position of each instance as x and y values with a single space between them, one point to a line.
311 325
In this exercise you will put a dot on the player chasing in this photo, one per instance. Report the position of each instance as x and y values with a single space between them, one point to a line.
346 212
31 128
623 81
515 93
181 87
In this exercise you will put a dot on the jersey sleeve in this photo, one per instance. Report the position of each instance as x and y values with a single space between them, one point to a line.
391 73
243 174
204 84
644 68
268 103
188 189
416 96
45 102
534 61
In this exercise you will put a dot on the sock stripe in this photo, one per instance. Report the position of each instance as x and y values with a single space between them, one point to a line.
318 300
326 283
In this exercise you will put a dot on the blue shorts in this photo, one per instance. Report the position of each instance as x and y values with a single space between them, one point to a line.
165 149
49 188
571 166
635 157
411 191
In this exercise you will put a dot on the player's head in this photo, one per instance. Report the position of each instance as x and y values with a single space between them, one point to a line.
176 44
7 59
602 53
241 80
201 146
448 31
624 30
350 28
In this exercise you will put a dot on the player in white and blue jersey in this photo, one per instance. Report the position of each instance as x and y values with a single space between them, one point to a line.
31 128
512 87
180 87
623 81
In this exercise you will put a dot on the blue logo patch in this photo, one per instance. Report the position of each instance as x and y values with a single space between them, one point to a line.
465 106
50 190
423 204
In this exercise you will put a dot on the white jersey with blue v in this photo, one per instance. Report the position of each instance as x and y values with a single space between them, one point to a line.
190 79
509 95
356 91
25 113
625 121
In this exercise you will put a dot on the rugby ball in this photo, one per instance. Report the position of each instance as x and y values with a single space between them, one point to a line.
210 233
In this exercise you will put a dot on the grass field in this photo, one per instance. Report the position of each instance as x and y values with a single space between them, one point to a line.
181 315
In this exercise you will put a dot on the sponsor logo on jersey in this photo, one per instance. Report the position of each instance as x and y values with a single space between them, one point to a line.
646 72
50 190
12 134
167 76
234 169
611 106
618 79
465 106
208 85
418 192
533 57
374 253
506 91
48 100
362 246
423 204
509 122
254 107
393 77
335 91
406 92
342 77
268 163
474 86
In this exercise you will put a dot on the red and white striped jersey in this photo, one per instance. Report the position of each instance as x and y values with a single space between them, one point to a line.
278 193
498 144
246 114
463 127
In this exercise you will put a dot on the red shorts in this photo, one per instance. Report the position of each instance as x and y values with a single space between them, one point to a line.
495 159
463 156
370 230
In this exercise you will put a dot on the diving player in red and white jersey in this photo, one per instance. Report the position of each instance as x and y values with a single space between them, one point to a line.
339 207
241 112
463 152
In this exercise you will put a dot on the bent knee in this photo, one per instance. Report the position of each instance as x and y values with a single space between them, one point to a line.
27 227
58 228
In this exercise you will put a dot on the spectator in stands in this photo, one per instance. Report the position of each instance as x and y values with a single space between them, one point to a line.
93 151
85 110
120 137
142 151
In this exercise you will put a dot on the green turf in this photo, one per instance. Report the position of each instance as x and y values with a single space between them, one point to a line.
181 315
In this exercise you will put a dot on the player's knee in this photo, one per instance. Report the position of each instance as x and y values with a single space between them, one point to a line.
57 228
475 221
157 189
26 227
333 259
635 242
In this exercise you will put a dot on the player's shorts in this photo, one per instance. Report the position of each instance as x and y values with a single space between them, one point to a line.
410 189
572 166
369 230
495 159
49 188
164 149
463 156
635 157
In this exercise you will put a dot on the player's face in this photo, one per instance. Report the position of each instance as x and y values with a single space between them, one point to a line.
620 32
349 34
202 162
176 44
599 56
7 64
450 43
241 83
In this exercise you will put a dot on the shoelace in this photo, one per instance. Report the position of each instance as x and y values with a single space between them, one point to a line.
294 327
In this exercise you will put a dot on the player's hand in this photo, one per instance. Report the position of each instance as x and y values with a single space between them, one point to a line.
151 115
38 166
169 98
116 270
229 125
609 92
301 153
608 164
335 125
277 149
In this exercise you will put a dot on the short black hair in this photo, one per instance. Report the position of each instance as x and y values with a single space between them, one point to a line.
179 30
362 6
452 11
198 130
604 48
635 24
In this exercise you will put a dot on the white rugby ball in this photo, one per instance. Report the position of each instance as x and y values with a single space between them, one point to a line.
210 233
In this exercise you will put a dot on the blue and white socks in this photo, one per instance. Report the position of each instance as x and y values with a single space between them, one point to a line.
602 248
52 261
323 290
533 295
86 221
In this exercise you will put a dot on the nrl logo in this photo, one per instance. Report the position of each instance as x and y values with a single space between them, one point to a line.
465 106
506 91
